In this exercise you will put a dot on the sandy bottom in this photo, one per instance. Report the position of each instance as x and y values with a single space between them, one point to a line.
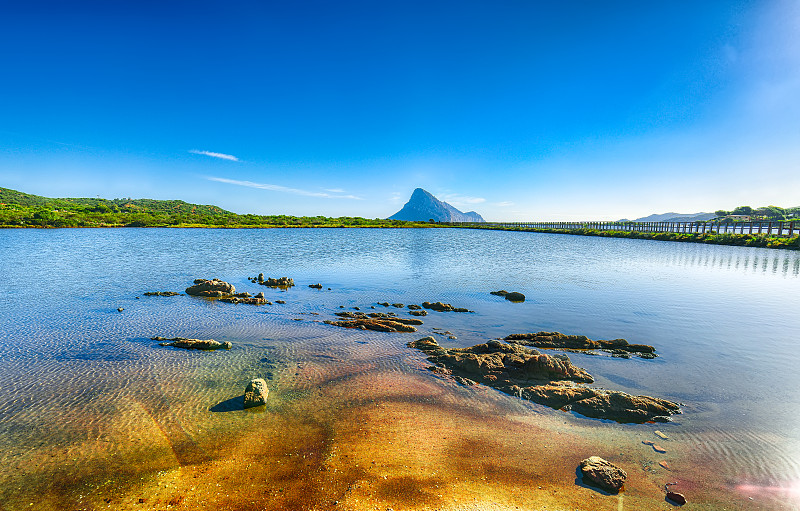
355 436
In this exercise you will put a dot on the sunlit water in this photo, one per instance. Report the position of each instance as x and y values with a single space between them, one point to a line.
95 414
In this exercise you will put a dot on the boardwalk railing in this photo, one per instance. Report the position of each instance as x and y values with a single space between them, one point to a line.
781 229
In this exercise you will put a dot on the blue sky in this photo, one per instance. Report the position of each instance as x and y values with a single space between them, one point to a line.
519 110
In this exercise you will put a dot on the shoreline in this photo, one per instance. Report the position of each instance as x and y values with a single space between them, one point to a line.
728 239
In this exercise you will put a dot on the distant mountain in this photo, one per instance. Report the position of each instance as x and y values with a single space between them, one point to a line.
422 206
677 217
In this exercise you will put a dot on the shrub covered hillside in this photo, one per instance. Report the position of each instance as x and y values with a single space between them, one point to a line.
19 209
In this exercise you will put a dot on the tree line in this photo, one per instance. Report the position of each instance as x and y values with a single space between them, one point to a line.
772 213
18 209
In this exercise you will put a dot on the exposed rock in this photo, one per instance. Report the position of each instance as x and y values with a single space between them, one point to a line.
674 497
256 392
545 379
443 307
260 295
375 321
602 473
385 304
398 305
601 404
414 307
418 313
212 288
556 340
161 293
283 282
243 295
120 309
677 498
193 344
280 302
511 297
315 286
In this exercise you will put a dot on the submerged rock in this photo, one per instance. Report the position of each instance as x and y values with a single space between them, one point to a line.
256 392
551 380
443 307
603 474
247 300
211 288
512 296
193 344
557 340
161 293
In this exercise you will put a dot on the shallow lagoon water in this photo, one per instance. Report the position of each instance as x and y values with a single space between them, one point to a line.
94 415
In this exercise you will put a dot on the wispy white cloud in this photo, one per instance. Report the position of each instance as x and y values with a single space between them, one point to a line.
221 156
279 188
503 204
457 200
335 190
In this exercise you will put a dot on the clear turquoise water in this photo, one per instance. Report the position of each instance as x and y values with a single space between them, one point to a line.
725 322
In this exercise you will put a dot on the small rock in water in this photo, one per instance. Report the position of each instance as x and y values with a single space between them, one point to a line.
677 498
648 442
603 473
315 286
193 344
120 309
660 434
674 497
664 464
256 393
280 302
658 448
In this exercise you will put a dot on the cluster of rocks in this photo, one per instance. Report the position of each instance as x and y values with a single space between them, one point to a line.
512 296
161 293
557 340
283 282
213 288
376 321
443 307
193 344
551 380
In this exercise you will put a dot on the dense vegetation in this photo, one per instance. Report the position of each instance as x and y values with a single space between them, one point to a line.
748 240
771 213
23 210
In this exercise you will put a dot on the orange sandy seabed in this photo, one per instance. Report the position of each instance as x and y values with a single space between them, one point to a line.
375 439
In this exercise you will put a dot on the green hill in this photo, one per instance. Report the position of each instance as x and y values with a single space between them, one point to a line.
19 209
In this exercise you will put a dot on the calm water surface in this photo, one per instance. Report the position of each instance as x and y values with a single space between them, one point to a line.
84 393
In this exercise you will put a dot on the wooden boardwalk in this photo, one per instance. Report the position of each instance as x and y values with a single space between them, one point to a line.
780 229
